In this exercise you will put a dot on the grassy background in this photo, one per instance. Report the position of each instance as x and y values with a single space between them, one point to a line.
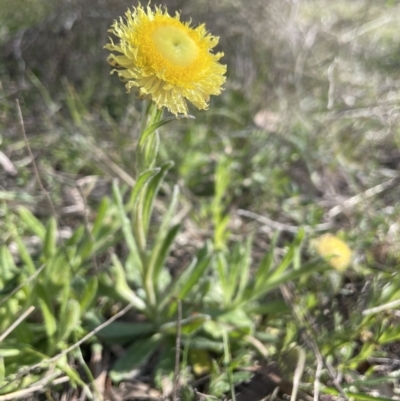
308 123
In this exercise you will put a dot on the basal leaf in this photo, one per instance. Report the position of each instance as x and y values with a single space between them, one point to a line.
129 365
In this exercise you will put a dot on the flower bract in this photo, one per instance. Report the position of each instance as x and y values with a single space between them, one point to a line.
166 60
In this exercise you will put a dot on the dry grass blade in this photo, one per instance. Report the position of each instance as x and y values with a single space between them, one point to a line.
301 362
16 323
33 389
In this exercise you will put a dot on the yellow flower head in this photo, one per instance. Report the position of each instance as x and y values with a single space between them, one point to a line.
334 250
165 59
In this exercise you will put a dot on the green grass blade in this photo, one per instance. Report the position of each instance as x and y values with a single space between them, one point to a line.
32 222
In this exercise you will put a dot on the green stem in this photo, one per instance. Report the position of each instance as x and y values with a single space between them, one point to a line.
146 155
146 152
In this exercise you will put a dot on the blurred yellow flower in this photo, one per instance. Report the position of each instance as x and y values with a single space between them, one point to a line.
165 59
334 250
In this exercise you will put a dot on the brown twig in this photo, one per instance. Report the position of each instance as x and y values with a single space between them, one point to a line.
16 323
35 167
23 393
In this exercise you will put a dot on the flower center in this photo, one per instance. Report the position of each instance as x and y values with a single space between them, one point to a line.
175 45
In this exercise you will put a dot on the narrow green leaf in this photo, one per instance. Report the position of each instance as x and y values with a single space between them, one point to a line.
62 310
32 222
266 263
271 307
221 233
146 152
2 369
109 235
194 278
102 231
89 294
47 310
227 363
389 335
366 397
102 211
222 269
169 214
59 270
8 268
126 226
241 270
7 351
149 130
152 190
125 332
186 281
284 278
233 266
161 251
115 285
289 257
86 247
188 325
50 240
283 265
203 343
24 254
236 317
76 237
297 256
75 378
140 185
70 320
